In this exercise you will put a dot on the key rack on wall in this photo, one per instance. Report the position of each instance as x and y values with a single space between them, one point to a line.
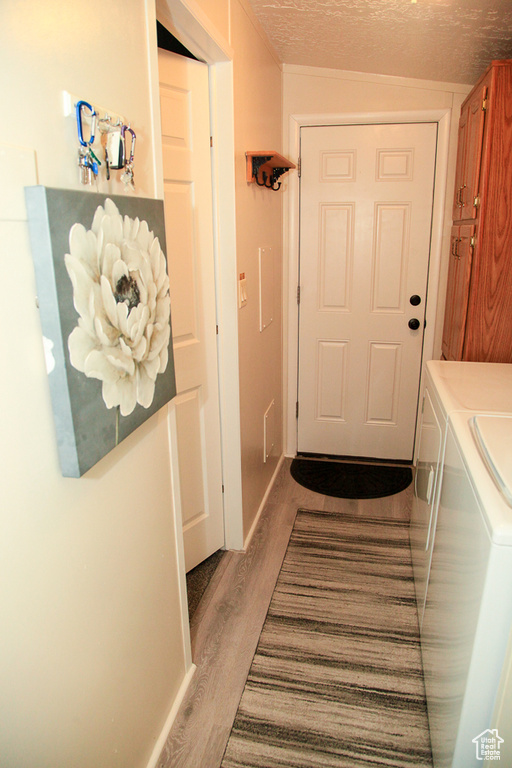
265 168
106 142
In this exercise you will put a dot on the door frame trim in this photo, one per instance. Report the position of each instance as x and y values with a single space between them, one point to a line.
291 227
192 27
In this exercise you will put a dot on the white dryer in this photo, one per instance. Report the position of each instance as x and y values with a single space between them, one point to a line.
449 387
461 538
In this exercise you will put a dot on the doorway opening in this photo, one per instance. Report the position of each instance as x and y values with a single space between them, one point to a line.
167 42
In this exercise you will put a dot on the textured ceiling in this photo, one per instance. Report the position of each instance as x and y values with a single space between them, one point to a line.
449 40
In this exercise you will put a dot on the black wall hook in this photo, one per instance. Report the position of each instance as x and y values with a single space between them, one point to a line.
262 183
265 179
260 168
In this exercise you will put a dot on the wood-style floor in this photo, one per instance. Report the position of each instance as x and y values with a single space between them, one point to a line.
228 622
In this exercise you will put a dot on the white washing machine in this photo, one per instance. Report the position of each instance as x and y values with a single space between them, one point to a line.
449 387
461 540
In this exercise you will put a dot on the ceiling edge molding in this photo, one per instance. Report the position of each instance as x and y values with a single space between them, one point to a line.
402 82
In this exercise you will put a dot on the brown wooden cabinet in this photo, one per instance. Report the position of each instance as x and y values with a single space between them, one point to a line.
478 315
459 276
469 153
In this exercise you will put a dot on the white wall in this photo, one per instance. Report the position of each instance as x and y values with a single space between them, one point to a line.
257 99
91 646
92 655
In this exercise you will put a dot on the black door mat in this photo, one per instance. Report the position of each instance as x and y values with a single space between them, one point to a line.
350 481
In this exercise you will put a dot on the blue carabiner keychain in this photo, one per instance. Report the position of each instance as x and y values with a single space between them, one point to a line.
86 158
79 106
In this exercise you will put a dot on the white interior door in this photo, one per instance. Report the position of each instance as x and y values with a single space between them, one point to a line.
366 211
184 101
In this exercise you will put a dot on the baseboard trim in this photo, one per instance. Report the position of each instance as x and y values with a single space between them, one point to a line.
160 742
263 502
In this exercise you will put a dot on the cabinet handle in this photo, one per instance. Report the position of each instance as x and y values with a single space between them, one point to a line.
454 247
462 203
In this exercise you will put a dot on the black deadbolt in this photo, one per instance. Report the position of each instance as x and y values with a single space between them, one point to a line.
414 324
415 300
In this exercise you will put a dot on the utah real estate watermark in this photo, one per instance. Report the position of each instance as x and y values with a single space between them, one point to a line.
488 745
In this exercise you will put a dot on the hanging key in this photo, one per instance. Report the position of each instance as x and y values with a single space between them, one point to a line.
127 177
85 172
94 161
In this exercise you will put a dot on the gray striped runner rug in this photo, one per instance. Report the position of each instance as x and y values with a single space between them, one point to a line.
336 681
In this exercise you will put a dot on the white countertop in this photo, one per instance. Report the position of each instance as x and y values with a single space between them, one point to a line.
479 387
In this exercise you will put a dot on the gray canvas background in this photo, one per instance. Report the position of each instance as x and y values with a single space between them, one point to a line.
86 428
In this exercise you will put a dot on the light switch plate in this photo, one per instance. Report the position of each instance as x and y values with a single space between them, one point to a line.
269 431
266 270
242 290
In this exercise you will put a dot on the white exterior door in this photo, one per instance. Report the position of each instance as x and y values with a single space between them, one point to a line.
184 101
366 210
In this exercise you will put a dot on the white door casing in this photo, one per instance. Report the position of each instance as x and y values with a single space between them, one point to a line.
366 214
184 105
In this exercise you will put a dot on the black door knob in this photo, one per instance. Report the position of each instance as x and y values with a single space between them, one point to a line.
415 300
414 324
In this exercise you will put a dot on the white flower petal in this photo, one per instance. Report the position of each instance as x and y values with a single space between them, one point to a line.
80 345
130 228
151 367
107 336
98 366
82 283
111 208
122 318
154 257
111 255
109 302
112 223
82 245
110 393
163 311
164 359
139 350
137 332
99 213
145 388
127 391
119 361
131 256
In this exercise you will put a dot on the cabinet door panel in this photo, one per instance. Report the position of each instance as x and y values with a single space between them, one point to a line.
457 295
475 134
469 155
460 167
448 344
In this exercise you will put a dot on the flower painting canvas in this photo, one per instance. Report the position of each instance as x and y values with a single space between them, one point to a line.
103 292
